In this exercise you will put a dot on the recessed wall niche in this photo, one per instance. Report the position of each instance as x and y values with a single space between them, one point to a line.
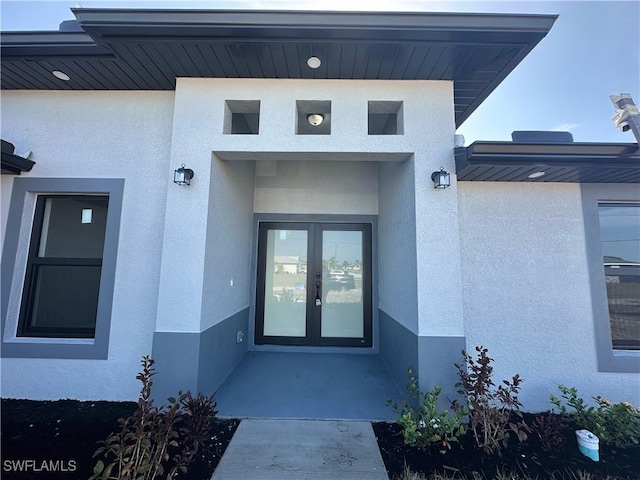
385 118
242 117
313 117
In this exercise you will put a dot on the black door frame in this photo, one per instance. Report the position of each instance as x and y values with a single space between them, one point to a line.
314 264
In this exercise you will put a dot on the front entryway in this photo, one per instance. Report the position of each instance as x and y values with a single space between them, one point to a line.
314 284
309 385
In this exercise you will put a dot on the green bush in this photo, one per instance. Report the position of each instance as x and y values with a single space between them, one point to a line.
423 423
616 424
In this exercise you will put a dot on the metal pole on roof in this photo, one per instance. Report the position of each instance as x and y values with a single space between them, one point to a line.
627 116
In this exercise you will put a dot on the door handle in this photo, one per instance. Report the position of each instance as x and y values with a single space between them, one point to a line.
318 283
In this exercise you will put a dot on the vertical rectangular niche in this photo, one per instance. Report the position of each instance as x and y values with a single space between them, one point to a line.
385 118
313 117
242 117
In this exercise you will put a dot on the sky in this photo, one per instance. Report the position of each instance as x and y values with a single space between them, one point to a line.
592 51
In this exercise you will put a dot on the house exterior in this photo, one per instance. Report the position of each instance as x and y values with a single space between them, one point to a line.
311 222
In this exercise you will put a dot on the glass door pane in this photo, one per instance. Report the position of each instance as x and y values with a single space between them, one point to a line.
285 291
342 313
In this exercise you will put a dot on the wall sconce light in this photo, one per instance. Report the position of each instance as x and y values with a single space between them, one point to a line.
441 179
182 176
315 119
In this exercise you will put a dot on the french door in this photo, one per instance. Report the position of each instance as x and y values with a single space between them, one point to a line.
314 284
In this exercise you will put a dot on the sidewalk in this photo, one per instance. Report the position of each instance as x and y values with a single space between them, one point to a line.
302 449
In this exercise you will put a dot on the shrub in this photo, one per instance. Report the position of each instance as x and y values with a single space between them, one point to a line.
494 412
615 424
551 429
155 442
423 423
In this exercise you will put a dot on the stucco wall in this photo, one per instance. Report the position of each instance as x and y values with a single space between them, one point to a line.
527 292
333 173
6 182
398 289
99 135
184 254
229 242
317 187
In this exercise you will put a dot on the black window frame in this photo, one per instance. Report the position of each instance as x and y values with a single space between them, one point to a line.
34 262
313 337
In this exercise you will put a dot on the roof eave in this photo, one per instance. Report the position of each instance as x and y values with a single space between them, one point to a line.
105 34
111 21
15 165
574 162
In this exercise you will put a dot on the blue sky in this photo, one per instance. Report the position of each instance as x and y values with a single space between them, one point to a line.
592 51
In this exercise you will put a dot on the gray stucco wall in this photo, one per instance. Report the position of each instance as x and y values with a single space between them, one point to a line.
198 362
398 349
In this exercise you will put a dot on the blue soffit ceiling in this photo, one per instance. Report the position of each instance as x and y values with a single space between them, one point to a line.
136 49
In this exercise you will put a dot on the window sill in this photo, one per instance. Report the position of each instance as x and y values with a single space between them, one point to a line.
626 353
50 341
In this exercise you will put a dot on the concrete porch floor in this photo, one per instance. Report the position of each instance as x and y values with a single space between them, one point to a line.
309 386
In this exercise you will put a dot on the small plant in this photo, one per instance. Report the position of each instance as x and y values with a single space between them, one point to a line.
155 442
551 430
616 424
423 423
494 412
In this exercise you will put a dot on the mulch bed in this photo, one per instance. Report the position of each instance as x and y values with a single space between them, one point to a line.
56 440
60 437
527 458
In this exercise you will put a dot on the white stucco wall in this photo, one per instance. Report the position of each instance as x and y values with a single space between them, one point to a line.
397 284
184 252
99 135
319 187
326 174
526 287
437 235
229 241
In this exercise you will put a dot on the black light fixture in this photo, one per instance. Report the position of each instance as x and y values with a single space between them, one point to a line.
441 179
182 176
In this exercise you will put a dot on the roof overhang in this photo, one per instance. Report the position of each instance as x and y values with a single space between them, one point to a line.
139 49
569 162
13 164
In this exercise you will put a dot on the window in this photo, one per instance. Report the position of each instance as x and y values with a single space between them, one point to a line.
59 267
620 239
62 283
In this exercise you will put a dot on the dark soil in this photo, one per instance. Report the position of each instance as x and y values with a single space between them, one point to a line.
59 438
63 436
531 458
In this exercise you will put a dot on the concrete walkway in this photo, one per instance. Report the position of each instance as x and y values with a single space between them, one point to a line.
302 449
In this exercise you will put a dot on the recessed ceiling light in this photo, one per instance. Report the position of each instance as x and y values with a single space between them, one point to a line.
537 174
314 62
61 75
